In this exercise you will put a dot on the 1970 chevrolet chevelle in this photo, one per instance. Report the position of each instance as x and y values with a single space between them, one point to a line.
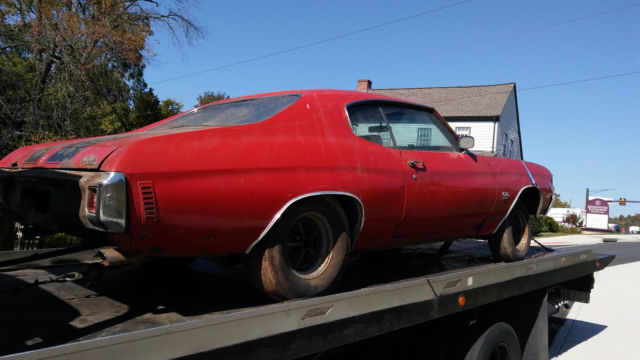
292 180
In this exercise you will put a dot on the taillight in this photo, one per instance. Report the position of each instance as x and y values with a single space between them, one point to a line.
92 200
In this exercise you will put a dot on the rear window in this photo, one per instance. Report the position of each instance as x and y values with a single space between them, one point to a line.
239 112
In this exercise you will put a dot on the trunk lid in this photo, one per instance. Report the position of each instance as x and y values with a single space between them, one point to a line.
88 153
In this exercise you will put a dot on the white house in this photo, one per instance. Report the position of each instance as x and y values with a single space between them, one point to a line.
489 113
558 214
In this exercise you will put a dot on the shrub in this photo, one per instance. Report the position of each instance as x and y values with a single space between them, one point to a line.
570 230
550 224
542 224
536 225
7 233
573 220
58 240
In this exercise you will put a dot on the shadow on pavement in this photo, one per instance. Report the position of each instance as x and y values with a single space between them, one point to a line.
577 333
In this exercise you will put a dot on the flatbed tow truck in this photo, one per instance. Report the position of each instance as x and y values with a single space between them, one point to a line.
390 304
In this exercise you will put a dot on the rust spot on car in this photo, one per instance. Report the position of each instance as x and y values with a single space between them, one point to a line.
89 160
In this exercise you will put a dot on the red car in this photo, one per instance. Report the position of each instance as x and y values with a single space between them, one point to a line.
292 180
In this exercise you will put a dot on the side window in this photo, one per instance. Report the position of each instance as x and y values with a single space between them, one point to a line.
368 123
415 129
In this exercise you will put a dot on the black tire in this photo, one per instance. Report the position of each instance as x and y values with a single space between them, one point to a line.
499 342
512 241
304 254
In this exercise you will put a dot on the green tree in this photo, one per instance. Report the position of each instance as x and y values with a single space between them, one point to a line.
210 96
75 67
170 107
573 220
558 203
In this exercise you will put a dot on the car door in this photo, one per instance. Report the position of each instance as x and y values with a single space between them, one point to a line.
449 193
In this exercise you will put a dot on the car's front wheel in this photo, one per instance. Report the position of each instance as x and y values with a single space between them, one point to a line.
513 239
304 253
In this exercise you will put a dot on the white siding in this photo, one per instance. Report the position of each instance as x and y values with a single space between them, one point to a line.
482 132
407 134
509 125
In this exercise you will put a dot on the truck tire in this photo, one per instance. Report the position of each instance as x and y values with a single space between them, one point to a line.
498 342
304 254
512 241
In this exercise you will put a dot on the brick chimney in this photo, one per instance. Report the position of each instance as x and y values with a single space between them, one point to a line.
364 85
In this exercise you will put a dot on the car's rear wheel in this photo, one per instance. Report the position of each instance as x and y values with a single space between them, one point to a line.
513 239
304 253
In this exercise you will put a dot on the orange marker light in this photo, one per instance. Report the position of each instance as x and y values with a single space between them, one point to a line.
462 301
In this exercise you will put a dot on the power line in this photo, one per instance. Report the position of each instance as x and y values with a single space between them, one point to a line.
475 43
582 80
318 42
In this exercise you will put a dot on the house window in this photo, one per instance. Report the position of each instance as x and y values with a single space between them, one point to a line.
424 137
505 147
463 131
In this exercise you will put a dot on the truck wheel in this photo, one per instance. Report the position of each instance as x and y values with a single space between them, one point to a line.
304 253
513 239
499 342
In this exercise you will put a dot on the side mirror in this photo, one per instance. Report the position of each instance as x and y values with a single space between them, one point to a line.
466 142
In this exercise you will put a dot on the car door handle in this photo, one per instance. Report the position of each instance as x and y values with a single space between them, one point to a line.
418 165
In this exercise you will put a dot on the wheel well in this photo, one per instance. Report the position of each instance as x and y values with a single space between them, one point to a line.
354 211
530 197
350 204
352 208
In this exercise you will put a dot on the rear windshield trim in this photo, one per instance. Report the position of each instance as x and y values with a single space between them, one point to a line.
247 115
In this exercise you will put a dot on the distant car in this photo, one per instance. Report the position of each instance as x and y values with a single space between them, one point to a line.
294 181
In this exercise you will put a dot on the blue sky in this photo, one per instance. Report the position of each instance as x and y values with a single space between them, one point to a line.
586 133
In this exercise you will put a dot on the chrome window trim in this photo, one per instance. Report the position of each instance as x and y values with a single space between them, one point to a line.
515 201
226 101
533 181
277 216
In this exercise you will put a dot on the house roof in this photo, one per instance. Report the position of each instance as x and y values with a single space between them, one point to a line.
459 101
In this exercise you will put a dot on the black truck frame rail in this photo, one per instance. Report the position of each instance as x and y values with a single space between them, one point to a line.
307 326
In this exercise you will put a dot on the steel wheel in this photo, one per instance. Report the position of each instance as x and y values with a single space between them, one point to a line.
308 245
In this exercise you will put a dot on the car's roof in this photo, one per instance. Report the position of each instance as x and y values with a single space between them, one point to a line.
350 95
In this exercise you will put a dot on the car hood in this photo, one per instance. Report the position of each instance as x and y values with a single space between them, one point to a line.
86 153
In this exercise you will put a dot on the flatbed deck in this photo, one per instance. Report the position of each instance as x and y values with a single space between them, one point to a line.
136 311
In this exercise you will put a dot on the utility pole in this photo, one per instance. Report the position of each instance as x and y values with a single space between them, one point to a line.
586 201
